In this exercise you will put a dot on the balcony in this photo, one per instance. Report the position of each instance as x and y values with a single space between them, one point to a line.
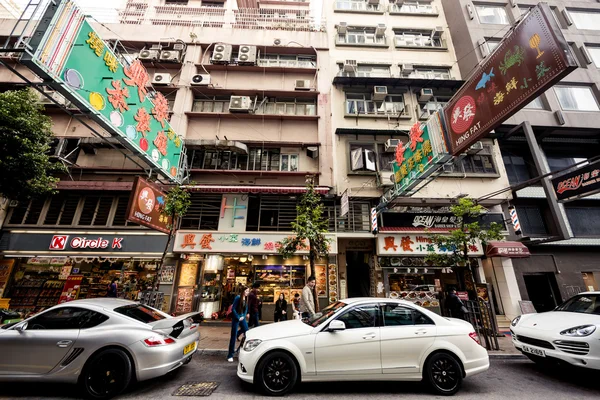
414 9
357 6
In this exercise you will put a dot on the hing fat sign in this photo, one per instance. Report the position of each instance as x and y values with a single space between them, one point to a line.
145 206
533 57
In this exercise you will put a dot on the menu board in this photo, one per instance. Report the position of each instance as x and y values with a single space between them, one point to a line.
321 271
333 277
167 275
423 298
184 300
188 274
5 270
71 289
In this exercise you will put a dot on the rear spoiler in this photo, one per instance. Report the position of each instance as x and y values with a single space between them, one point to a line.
177 323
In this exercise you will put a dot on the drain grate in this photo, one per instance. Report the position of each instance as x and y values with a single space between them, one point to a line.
196 389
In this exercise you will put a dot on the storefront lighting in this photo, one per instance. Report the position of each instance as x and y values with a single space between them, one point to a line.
305 258
250 257
264 257
243 259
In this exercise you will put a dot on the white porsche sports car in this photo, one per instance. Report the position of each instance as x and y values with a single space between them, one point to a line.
569 334
363 339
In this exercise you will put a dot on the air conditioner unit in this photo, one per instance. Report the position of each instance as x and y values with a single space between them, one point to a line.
302 84
475 148
156 47
200 80
448 168
342 28
373 1
170 56
380 30
426 94
149 55
240 104
391 145
407 69
179 46
350 66
437 32
221 54
379 93
161 78
370 160
247 55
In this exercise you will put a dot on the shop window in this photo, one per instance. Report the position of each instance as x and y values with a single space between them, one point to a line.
576 98
532 221
62 318
62 209
365 316
492 14
584 221
203 213
95 210
418 39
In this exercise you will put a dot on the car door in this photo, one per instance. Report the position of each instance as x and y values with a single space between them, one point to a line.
45 340
355 350
405 336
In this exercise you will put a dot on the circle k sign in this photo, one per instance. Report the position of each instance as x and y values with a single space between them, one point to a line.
60 242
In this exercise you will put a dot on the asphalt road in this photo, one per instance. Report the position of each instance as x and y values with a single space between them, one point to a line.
506 379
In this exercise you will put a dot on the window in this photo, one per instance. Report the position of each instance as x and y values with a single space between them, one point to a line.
576 98
532 220
585 19
362 157
287 60
361 104
211 104
584 221
62 209
479 163
66 318
492 14
425 109
417 39
271 213
395 315
288 106
430 73
361 36
373 71
203 213
517 169
385 158
361 317
492 44
140 312
289 162
27 212
595 53
356 5
535 104
583 304
413 7
96 210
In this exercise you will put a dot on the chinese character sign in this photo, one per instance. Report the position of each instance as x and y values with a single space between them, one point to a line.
145 206
90 74
583 181
533 57
416 245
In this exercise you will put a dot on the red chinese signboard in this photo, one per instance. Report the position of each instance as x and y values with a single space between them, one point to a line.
145 206
533 57
583 181
71 289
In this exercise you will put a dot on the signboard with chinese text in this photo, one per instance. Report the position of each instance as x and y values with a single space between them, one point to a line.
584 181
425 220
507 249
88 73
71 288
244 242
532 57
145 203
415 245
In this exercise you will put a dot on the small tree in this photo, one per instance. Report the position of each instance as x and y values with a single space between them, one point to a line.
311 227
25 137
461 241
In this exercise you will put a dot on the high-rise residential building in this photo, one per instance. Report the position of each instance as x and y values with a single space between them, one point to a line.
553 132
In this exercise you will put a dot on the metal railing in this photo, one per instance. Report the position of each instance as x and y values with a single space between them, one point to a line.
483 318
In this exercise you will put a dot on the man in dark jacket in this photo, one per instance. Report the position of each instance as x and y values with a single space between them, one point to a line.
253 305
455 305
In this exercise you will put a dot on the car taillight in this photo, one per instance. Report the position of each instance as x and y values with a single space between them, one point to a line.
158 341
475 337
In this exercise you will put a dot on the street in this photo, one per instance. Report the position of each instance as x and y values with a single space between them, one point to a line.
507 378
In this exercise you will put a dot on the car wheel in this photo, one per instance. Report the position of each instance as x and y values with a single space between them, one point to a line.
106 374
276 374
444 374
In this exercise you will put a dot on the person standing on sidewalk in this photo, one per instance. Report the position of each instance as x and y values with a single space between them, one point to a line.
307 301
239 311
281 308
253 304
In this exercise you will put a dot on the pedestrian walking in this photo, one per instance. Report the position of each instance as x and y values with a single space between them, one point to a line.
296 306
307 301
112 288
253 306
239 312
281 308
456 306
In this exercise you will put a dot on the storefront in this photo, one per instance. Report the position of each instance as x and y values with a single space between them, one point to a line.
42 269
221 262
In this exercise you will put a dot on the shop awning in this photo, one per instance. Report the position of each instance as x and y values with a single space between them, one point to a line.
254 189
507 249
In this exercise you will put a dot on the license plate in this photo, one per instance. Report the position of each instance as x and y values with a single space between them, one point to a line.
190 347
534 351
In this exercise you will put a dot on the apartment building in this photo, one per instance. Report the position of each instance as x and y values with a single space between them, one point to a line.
553 132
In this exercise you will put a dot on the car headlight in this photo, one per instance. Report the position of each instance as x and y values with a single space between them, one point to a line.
515 321
251 344
584 330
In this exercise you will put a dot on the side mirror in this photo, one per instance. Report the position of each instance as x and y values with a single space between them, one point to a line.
336 325
21 327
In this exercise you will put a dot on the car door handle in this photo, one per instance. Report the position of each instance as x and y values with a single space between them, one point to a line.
369 336
421 332
64 343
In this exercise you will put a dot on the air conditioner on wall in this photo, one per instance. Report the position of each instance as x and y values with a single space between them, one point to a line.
391 145
437 32
350 66
426 94
247 55
448 168
221 54
200 80
151 55
240 104
179 46
379 93
380 30
302 84
342 28
407 69
475 148
161 78
170 56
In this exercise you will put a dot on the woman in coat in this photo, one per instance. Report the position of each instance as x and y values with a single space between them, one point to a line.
281 308
239 311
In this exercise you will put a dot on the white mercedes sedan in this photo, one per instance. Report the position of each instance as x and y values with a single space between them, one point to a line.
570 334
363 339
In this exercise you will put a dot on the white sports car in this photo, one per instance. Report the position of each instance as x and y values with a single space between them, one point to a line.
363 339
569 334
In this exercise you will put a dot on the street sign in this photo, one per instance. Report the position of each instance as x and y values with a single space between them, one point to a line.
532 58
584 181
83 68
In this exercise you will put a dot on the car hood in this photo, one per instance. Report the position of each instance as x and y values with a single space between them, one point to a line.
279 330
557 320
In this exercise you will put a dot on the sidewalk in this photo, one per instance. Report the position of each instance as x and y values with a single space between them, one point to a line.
214 338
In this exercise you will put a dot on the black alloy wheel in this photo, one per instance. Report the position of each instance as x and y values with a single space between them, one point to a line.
444 374
277 374
106 374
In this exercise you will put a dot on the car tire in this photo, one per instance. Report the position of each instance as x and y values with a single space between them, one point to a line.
444 374
106 374
276 374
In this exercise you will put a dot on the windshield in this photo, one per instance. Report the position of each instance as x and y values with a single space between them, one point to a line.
584 304
141 313
327 312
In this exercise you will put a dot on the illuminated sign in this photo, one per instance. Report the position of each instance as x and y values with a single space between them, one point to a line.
581 182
